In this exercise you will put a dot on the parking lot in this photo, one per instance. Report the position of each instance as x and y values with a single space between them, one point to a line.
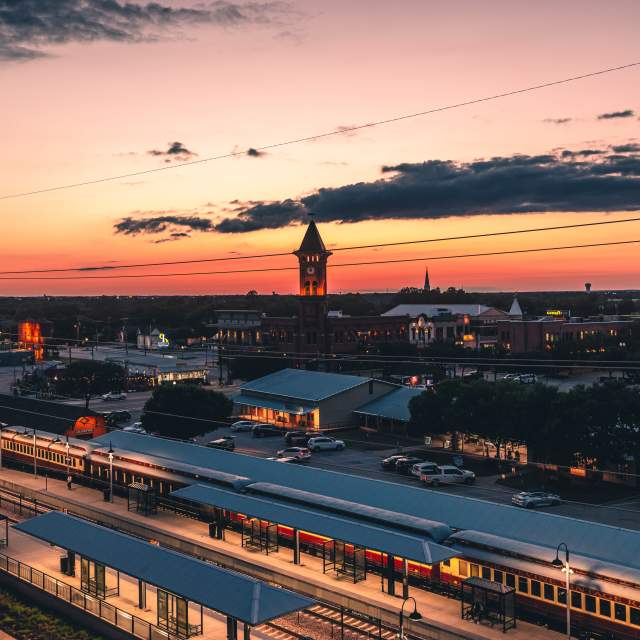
364 462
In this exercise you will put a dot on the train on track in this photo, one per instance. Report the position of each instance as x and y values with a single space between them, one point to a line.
604 596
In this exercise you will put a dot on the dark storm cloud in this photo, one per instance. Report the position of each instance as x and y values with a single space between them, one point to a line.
132 226
627 113
583 180
176 151
630 147
557 120
172 237
28 27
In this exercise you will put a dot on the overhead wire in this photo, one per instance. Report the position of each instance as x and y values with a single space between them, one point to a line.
333 266
474 236
327 134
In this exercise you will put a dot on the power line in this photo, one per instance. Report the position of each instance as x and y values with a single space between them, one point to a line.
474 236
333 266
327 134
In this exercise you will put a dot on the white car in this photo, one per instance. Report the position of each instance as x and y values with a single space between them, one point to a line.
325 443
242 425
448 474
423 467
532 499
136 427
114 395
301 453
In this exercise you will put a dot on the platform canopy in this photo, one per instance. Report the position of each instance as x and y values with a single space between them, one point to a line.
383 539
232 594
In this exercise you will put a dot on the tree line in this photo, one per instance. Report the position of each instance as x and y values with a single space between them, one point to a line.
596 426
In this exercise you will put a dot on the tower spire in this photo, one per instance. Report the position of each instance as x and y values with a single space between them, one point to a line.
427 284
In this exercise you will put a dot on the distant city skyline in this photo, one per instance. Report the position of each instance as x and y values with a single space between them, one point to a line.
199 82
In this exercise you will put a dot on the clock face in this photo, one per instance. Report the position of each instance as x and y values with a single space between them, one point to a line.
311 270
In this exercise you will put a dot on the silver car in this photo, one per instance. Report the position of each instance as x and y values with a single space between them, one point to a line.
533 499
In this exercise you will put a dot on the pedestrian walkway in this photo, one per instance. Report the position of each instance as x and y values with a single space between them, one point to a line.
436 609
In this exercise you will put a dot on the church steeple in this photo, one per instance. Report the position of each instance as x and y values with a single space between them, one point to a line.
312 257
427 284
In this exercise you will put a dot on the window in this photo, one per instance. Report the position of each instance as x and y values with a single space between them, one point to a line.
486 573
463 568
511 580
447 562
475 570
523 585
589 603
535 588
605 608
497 576
634 616
562 595
549 592
576 600
620 612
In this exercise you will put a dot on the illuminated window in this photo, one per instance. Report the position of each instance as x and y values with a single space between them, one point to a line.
475 570
463 568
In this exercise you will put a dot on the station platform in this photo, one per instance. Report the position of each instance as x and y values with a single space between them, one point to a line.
441 615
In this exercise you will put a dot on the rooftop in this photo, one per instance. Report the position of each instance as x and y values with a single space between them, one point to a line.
394 405
244 598
431 310
303 385
312 241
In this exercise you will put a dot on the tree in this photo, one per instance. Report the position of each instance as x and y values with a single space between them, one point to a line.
184 411
90 377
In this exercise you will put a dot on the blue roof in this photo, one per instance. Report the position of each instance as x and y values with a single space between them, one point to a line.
312 386
319 522
394 405
604 542
232 594
270 403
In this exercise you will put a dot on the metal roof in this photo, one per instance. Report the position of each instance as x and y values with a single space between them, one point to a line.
232 594
435 530
599 541
430 310
319 522
394 405
303 385
270 403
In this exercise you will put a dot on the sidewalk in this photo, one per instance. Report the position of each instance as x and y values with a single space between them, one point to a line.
434 608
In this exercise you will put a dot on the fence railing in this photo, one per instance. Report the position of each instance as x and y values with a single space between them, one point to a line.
99 608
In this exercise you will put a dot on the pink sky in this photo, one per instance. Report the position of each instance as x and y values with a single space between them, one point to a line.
93 110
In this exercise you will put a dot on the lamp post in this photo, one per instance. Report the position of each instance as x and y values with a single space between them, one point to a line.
68 462
414 615
110 472
566 569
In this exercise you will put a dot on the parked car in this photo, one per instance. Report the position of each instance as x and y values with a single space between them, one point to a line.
423 467
302 453
298 437
404 464
265 431
325 443
227 443
114 395
448 474
532 499
290 459
242 425
389 463
114 417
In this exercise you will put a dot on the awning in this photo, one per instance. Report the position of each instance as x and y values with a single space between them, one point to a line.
270 403
376 538
230 593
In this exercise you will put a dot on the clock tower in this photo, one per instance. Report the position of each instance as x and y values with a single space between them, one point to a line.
312 299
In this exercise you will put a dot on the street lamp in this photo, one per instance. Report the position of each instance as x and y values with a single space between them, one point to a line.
110 472
414 615
566 569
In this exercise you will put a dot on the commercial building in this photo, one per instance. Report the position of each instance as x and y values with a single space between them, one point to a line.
543 334
296 398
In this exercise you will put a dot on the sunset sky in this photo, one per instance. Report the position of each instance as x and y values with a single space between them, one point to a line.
109 88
